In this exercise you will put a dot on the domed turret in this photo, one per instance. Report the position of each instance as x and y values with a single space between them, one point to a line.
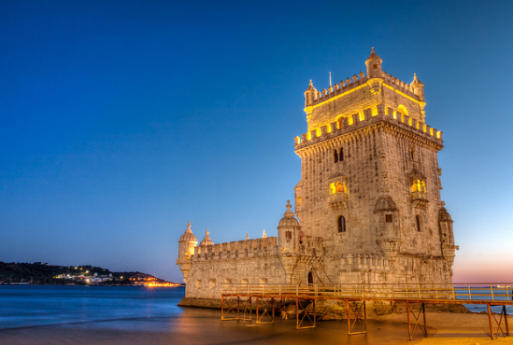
373 64
310 94
206 240
288 231
186 244
188 235
418 87
288 220
444 215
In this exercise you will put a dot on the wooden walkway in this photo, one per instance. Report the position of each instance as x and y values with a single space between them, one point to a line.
237 301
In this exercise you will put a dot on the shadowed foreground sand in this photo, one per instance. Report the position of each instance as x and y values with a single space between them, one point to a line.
200 327
455 328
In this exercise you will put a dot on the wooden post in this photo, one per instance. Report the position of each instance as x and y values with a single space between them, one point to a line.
365 315
408 313
506 319
297 313
348 319
257 320
490 320
424 313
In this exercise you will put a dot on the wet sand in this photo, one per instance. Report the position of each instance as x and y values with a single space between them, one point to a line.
200 326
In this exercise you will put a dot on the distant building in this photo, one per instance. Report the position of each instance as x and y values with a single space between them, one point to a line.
368 203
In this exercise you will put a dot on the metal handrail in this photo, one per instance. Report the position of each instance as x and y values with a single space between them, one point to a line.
475 292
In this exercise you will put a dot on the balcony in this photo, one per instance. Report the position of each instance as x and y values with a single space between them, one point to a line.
337 201
419 199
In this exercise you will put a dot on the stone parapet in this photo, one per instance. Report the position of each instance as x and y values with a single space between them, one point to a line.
355 81
364 119
253 248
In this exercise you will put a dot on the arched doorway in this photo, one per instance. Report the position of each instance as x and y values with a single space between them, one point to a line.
310 278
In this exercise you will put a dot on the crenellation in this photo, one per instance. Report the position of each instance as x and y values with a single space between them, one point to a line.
344 126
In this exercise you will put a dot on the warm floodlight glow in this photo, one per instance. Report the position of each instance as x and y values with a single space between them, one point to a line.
333 189
402 109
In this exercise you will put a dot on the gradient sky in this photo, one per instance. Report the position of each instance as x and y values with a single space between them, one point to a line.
123 120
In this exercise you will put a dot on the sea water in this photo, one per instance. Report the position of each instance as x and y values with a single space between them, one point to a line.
34 305
114 315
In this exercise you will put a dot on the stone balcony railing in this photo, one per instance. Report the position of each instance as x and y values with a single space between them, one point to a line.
419 199
337 201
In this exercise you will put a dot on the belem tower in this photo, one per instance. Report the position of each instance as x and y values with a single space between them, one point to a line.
367 208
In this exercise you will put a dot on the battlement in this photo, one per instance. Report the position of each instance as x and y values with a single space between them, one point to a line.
238 249
371 261
361 79
368 116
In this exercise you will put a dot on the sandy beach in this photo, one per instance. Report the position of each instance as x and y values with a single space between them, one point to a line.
200 326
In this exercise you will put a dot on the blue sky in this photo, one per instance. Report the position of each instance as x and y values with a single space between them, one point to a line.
123 120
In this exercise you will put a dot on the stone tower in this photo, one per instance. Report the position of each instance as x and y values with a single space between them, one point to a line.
370 185
368 204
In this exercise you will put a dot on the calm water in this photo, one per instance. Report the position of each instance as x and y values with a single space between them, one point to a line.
136 315
32 305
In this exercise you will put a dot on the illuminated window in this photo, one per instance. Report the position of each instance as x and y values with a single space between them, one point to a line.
419 186
418 222
388 218
341 154
333 189
339 187
335 155
341 224
288 235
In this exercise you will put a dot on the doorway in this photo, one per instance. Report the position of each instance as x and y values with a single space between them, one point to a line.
310 278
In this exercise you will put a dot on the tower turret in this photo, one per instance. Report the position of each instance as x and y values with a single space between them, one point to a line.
310 94
288 231
373 64
186 246
418 87
187 243
206 240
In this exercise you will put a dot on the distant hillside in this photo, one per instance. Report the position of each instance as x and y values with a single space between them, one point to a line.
38 273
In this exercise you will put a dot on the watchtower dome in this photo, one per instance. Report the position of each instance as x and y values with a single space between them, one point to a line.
373 64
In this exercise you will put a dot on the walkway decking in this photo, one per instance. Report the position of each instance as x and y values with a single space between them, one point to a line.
237 302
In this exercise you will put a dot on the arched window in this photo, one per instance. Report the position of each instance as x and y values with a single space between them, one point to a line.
288 235
335 154
341 154
310 278
418 221
338 187
341 224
